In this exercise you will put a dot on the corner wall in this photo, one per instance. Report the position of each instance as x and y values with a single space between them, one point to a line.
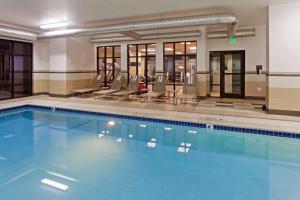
40 67
63 64
284 59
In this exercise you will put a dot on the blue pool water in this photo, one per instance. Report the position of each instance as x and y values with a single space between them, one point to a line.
58 155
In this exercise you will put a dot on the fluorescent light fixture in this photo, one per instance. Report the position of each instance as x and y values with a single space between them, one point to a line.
60 33
55 184
169 49
143 125
180 67
193 48
54 25
168 129
186 43
111 123
100 135
62 176
119 140
130 136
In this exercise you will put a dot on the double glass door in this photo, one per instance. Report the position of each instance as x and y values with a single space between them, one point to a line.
227 74
15 69
5 76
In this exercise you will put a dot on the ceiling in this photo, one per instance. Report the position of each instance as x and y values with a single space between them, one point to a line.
33 13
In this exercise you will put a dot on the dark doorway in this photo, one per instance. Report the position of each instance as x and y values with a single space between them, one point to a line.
227 74
15 69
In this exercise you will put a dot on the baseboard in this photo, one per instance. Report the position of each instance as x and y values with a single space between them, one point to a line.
284 112
255 98
40 93
60 95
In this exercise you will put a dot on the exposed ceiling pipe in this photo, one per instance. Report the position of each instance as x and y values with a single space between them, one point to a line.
214 35
16 33
149 37
201 20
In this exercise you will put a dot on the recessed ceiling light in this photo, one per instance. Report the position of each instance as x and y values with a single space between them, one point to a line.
54 25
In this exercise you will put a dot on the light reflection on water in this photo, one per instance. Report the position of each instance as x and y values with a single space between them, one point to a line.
70 156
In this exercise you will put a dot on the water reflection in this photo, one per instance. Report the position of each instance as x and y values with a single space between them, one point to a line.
83 157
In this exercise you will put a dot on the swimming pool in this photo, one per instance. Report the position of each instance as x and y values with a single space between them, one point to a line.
73 155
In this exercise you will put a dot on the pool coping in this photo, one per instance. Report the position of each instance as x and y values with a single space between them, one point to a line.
256 131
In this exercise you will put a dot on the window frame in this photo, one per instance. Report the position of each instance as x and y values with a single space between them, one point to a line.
146 56
174 56
113 57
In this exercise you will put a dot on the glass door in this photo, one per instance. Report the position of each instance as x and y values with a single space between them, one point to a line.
5 76
233 74
214 66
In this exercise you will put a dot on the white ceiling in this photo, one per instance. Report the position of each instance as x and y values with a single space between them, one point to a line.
33 13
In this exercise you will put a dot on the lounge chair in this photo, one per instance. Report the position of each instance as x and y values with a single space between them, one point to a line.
98 82
116 86
159 89
189 90
132 88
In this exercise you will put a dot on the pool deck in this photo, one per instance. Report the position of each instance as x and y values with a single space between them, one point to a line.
246 118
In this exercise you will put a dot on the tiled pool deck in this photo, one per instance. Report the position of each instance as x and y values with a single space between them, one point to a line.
255 122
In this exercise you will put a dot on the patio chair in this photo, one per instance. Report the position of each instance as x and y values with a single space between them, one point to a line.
189 90
116 86
97 84
132 88
158 90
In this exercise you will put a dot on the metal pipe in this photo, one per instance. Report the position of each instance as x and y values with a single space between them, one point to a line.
9 32
201 20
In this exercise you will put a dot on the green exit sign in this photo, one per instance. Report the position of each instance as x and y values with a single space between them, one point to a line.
232 40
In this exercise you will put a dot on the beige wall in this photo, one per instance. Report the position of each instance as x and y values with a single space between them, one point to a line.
61 65
255 54
284 60
40 67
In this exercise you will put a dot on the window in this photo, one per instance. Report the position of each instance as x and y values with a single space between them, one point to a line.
15 69
109 62
180 59
141 62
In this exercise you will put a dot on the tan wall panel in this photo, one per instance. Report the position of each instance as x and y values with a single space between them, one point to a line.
255 89
40 86
284 99
78 84
57 87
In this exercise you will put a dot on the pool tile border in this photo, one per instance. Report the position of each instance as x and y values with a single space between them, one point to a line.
157 120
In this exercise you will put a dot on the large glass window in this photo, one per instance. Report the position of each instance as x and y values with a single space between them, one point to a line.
141 62
109 62
180 60
15 69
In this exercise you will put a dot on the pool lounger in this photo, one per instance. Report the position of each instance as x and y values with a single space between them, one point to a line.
133 87
158 90
115 87
98 81
189 90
